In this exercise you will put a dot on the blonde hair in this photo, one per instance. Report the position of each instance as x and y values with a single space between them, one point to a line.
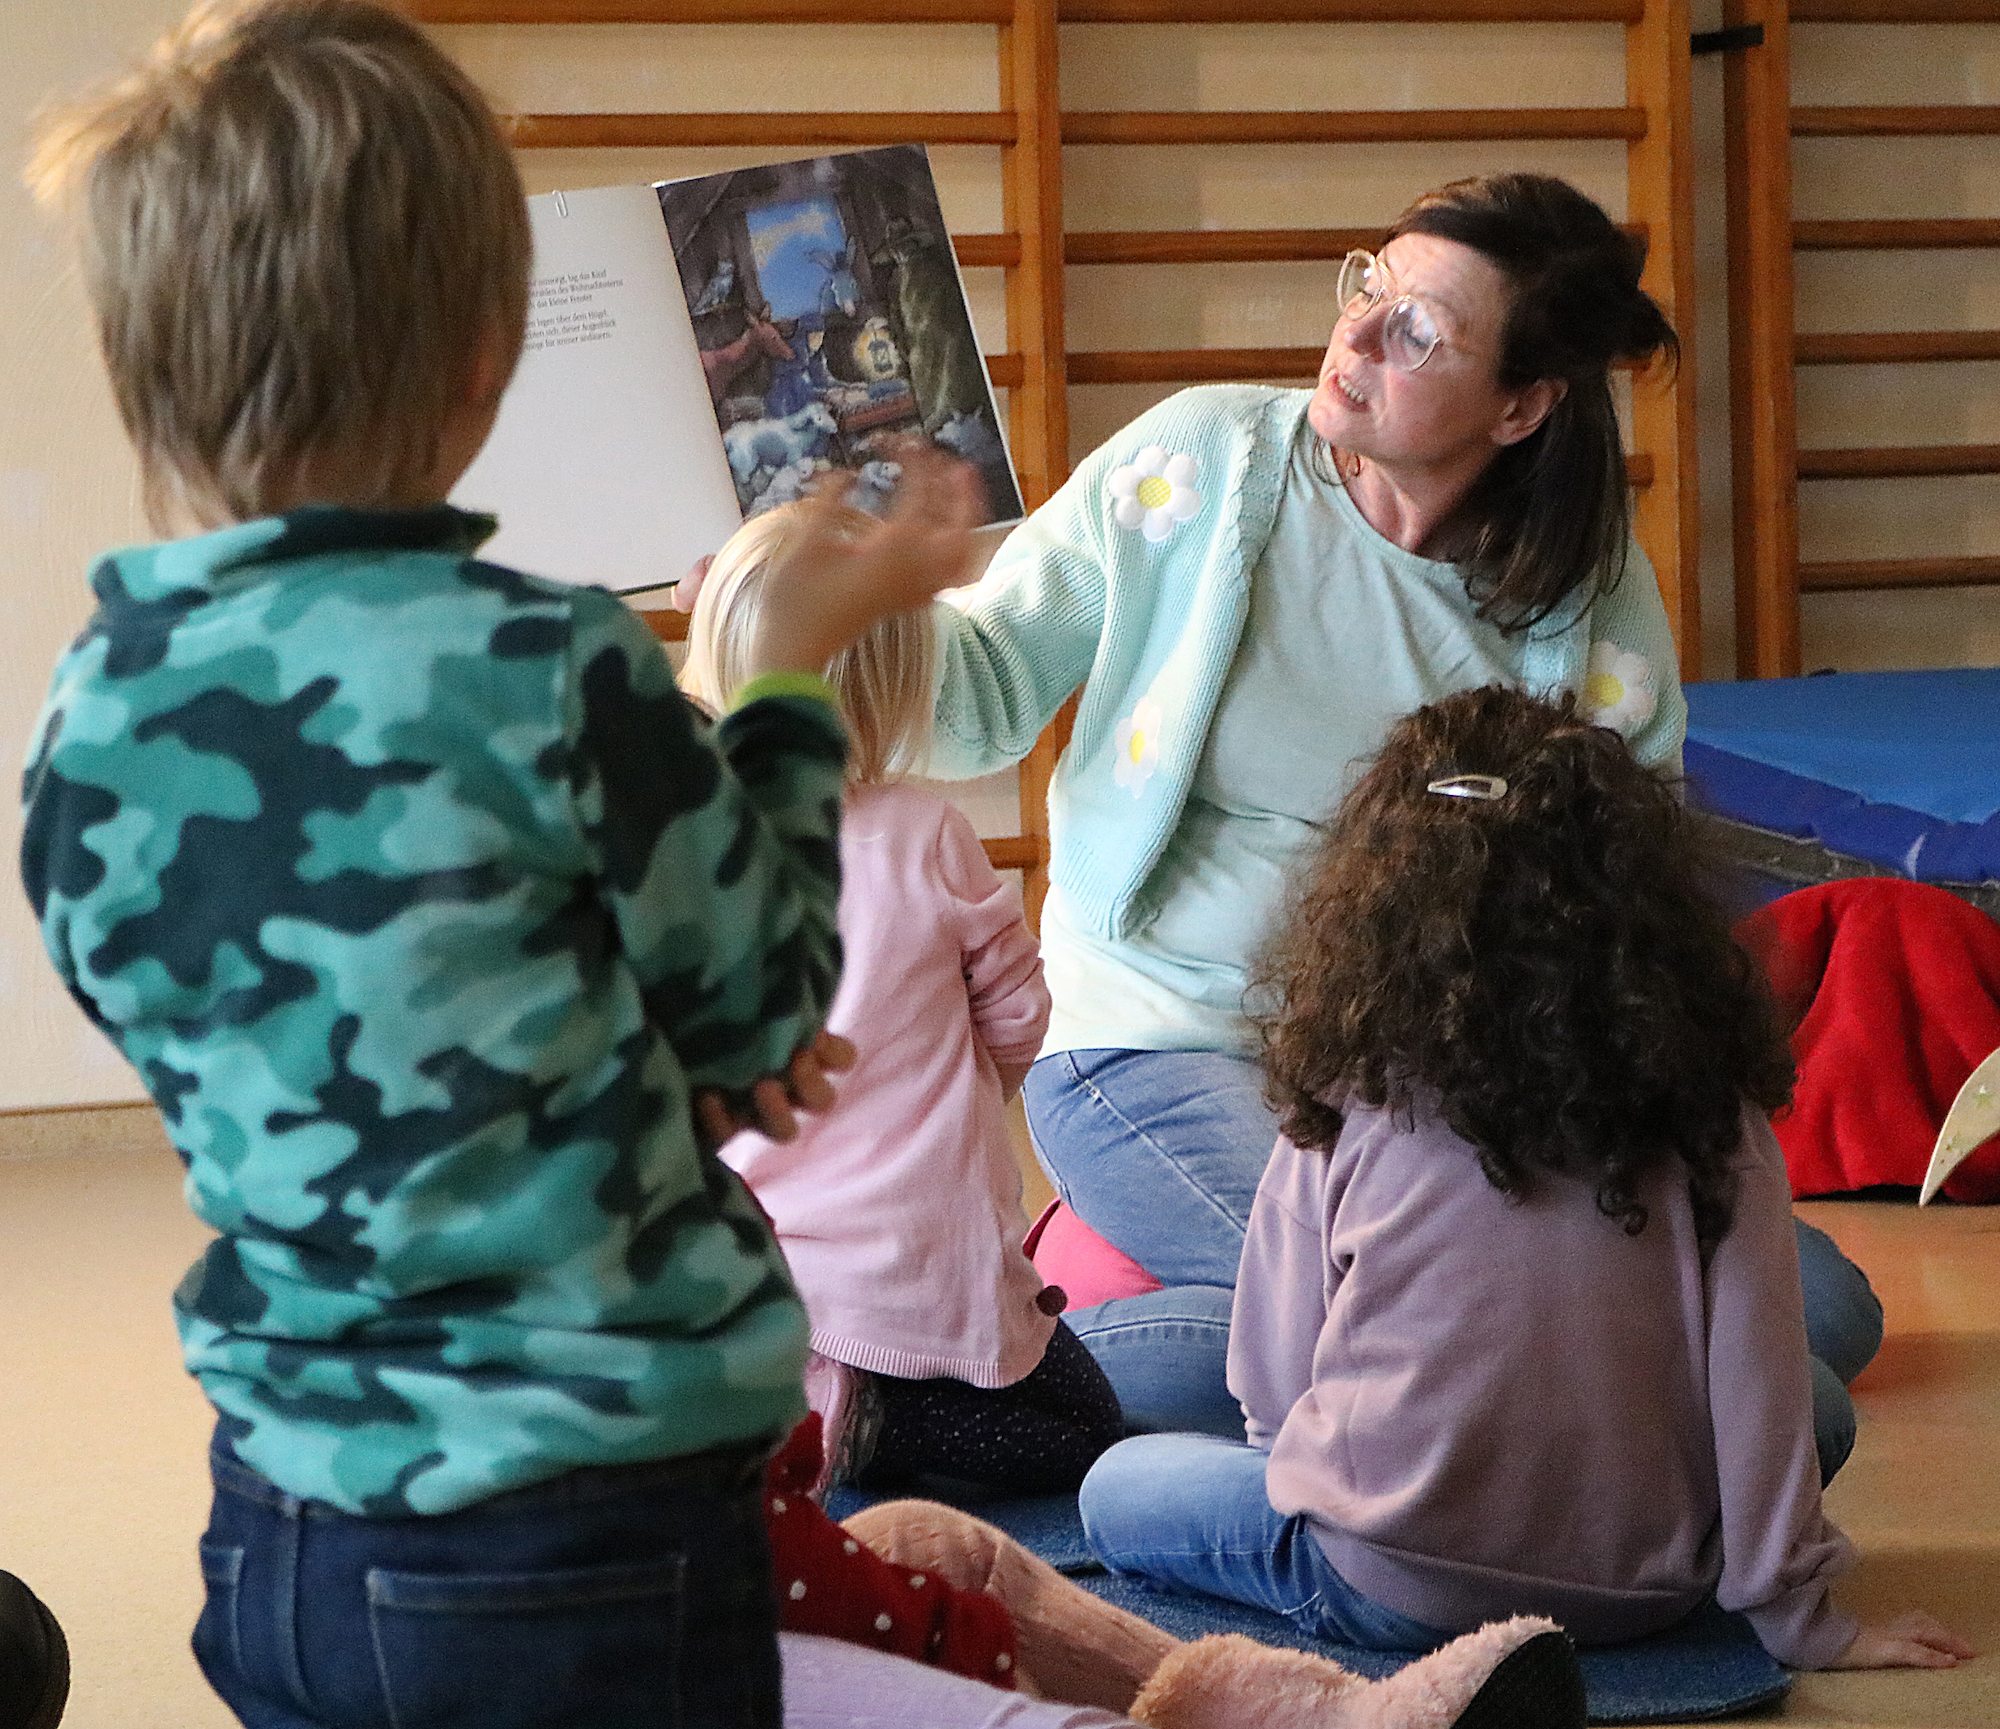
300 229
882 680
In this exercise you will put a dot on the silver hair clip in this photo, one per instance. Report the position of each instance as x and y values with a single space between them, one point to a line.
1479 786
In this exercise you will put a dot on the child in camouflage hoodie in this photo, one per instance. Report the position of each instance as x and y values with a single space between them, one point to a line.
426 907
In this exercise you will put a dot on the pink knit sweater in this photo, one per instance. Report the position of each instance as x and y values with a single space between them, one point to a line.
900 1209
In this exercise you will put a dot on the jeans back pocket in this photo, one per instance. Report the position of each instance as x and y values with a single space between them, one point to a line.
591 1646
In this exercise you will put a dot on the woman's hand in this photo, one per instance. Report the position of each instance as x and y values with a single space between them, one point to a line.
770 1104
1913 1640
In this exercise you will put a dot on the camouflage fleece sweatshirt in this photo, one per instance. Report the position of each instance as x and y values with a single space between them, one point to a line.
421 899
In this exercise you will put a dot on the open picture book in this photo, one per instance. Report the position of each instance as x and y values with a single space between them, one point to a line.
699 351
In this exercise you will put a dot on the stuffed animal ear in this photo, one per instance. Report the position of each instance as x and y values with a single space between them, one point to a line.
689 586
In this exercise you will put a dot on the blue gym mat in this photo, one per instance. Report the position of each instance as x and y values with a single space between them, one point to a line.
1898 771
1708 1666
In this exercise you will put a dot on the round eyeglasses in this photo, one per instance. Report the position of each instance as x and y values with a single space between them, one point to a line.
1409 335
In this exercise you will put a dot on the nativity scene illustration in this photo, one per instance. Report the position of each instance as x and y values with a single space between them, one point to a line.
831 321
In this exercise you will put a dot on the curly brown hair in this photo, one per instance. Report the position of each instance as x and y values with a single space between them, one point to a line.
1550 966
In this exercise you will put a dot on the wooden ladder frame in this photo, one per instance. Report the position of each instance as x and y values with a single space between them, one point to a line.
1765 347
1034 250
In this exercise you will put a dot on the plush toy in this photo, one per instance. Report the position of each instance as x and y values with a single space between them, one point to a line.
1518 1674
1077 1648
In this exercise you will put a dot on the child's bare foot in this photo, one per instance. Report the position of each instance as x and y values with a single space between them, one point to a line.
1914 1640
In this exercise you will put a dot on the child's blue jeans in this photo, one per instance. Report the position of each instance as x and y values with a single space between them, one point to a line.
1191 1512
608 1598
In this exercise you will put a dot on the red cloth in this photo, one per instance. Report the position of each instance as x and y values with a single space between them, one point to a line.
1895 987
1069 1254
828 1582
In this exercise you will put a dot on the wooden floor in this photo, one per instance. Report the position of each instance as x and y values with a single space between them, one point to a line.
101 1437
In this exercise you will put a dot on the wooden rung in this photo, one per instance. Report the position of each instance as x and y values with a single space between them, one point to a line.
1231 245
1199 365
1887 347
1352 126
989 251
1955 120
1218 245
1007 371
1350 11
1014 852
1920 234
1192 365
1899 462
668 625
711 11
752 131
1899 573
1001 12
1894 12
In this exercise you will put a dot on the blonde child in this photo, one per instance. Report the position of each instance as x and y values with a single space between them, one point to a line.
1518 1325
424 904
900 1210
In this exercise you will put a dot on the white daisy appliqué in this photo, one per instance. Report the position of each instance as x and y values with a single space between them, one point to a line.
1154 492
1138 746
1618 688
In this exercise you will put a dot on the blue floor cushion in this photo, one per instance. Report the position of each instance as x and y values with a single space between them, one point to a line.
1709 1666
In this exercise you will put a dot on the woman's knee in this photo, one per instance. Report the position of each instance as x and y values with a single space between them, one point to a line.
1843 1314
1159 1152
1833 1420
1166 1355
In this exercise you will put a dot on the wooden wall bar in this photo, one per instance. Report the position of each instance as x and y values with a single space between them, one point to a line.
1353 126
757 130
1761 123
1763 408
1659 170
1029 129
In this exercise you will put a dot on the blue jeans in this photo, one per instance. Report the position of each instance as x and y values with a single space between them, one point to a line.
1190 1511
1160 1152
1166 1355
621 1597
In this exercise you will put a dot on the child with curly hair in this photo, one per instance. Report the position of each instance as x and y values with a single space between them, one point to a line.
937 1347
1518 1325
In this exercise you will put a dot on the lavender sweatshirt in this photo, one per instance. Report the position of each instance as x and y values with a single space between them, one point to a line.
1488 1408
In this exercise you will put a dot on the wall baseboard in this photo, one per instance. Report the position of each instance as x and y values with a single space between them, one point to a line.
81 1130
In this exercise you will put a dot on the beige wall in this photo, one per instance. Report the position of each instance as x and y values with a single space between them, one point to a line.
66 485
66 490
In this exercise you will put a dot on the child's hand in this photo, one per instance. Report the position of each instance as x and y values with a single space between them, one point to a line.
690 585
769 1107
835 583
1913 1640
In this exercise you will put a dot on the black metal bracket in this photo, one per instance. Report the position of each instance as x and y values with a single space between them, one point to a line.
1727 41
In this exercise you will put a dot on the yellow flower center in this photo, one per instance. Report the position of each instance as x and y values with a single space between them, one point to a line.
1137 748
1155 490
1603 690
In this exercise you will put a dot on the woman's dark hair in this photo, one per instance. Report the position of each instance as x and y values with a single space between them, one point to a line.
1549 514
1548 967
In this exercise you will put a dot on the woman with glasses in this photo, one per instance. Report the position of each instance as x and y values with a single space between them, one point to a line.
1251 585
